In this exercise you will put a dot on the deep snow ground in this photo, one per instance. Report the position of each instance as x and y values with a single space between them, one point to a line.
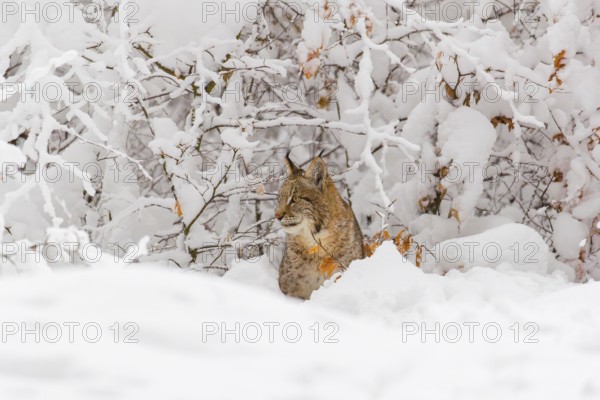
366 348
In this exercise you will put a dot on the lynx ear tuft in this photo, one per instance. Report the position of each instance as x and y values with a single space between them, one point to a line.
292 168
317 172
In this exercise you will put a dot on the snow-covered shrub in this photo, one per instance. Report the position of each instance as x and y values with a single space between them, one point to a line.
172 118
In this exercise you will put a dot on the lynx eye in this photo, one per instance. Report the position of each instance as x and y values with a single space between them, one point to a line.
293 199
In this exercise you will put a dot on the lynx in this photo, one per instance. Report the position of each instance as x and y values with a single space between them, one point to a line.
323 236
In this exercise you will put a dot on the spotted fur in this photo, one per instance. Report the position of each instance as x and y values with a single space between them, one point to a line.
319 225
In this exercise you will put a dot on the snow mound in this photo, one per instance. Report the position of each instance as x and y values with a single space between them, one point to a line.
388 287
169 334
510 246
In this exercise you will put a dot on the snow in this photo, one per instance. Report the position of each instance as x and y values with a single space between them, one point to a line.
11 157
477 138
201 22
372 322
514 244
568 235
237 139
466 138
257 272
379 88
390 288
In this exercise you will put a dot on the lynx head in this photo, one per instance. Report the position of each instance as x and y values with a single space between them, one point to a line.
302 199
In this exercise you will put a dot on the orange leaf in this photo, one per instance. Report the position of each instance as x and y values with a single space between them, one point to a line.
450 92
501 119
558 60
369 249
328 267
454 214
403 244
178 209
438 61
398 237
419 256
558 65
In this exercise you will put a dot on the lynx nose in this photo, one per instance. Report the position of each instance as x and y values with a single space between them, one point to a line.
279 215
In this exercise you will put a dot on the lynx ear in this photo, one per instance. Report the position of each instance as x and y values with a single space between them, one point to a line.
292 168
317 171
